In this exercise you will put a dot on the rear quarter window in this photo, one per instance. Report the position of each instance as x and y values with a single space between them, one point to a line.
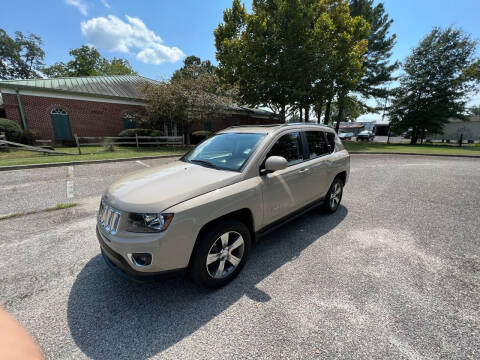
330 140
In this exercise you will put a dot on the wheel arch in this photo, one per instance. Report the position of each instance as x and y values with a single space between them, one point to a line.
244 215
343 176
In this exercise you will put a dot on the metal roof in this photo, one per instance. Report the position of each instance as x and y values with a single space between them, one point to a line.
116 86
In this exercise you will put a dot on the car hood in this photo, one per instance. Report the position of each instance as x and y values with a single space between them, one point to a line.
158 188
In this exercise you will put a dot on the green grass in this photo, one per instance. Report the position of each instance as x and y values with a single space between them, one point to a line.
22 157
61 206
53 208
427 149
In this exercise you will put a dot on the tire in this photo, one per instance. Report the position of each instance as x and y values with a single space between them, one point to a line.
228 243
330 205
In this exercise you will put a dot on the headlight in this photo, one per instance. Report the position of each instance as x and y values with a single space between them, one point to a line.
148 222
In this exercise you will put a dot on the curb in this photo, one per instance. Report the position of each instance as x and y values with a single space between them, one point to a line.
67 163
415 154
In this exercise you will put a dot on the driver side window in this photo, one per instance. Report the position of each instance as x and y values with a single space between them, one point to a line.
288 146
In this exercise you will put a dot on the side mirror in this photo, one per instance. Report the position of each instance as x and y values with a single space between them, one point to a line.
274 163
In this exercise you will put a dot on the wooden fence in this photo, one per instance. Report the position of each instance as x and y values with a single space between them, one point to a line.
18 146
127 140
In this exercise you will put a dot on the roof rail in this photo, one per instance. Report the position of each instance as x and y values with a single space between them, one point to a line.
303 123
254 125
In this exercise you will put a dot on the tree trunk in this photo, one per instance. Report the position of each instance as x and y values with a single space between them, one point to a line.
186 131
341 107
307 113
414 136
340 118
282 113
319 111
301 113
327 111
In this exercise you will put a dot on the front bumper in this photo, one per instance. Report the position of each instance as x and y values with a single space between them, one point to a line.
120 266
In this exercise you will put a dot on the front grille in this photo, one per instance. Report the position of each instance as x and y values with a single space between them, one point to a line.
108 217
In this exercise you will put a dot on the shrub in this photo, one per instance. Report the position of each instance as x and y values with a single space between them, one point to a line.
156 133
29 136
12 130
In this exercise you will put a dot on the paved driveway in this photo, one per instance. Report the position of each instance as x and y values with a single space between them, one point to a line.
393 274
33 189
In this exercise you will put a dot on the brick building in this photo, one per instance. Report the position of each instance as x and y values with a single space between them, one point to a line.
95 106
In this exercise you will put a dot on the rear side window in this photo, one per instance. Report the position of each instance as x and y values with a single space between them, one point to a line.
290 147
317 145
331 140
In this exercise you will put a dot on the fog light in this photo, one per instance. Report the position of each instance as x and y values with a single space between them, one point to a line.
142 259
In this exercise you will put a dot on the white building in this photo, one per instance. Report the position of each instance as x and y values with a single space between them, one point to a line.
455 128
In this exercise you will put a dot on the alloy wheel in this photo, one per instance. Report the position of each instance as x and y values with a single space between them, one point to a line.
335 195
225 254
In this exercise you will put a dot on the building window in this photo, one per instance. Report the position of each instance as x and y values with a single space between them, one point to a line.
129 121
58 111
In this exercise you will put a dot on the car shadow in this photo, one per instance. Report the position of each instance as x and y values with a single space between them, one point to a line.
111 318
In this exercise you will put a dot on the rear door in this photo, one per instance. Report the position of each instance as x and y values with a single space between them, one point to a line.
319 163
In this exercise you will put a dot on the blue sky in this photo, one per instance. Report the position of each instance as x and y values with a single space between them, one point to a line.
155 35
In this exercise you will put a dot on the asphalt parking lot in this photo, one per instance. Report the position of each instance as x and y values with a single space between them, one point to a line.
394 273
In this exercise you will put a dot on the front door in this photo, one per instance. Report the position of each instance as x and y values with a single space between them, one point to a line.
286 190
61 124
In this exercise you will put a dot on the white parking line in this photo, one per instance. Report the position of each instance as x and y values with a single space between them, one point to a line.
70 183
142 163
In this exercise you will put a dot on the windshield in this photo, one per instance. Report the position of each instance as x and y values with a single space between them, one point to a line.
229 151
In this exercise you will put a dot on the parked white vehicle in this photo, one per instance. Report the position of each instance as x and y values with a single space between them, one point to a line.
203 212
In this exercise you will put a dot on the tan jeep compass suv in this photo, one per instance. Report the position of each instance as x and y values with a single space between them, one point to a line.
202 212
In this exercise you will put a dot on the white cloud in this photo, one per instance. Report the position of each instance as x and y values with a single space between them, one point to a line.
113 34
105 3
80 5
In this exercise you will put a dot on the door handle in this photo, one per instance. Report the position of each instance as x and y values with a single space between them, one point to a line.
304 171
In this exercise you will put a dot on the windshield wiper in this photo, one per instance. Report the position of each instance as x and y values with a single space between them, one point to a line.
207 163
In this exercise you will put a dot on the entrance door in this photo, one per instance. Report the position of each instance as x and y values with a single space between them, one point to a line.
61 124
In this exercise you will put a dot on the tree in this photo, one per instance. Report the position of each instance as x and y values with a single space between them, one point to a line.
186 98
116 66
193 67
352 108
475 110
290 53
87 61
21 57
377 68
439 76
